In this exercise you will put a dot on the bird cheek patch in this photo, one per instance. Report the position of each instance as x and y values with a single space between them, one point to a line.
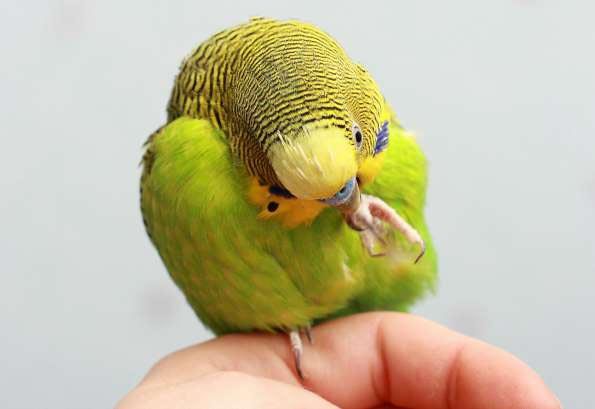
291 212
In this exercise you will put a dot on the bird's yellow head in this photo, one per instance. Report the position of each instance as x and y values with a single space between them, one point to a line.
300 114
320 155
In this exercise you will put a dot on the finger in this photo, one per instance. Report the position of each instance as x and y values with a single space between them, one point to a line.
223 390
410 362
368 359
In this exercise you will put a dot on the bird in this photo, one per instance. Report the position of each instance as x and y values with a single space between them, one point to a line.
282 190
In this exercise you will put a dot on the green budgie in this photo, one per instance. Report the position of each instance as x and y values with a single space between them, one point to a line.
282 191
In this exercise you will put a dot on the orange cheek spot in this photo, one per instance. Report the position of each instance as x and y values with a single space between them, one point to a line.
290 212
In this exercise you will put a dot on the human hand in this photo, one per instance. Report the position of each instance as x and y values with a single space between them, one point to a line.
362 361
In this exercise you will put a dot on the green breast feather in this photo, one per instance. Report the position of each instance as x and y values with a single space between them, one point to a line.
240 272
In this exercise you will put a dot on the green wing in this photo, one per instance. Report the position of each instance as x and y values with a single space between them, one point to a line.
238 272
241 273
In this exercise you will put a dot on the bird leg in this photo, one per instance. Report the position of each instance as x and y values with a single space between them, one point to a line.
368 219
298 349
307 331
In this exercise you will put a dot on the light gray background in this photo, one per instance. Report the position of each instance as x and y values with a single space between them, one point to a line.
501 95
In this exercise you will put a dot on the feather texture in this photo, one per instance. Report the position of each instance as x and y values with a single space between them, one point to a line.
262 82
241 272
264 120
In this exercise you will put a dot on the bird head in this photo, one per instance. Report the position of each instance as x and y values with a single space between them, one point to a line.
310 113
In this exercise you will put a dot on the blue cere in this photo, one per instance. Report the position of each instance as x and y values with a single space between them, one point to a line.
342 195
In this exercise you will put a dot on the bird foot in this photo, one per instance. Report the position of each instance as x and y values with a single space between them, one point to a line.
297 347
369 219
307 330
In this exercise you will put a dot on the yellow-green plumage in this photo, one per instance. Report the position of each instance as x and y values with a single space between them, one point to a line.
241 270
254 81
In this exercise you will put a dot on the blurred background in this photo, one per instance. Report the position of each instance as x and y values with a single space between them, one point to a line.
501 94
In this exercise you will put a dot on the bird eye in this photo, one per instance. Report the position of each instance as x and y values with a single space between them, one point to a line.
357 135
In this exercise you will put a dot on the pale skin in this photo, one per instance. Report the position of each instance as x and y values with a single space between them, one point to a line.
373 360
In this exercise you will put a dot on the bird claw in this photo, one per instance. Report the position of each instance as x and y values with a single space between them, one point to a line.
297 347
307 331
421 253
368 220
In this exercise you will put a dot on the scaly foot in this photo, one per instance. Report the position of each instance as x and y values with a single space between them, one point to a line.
368 219
298 349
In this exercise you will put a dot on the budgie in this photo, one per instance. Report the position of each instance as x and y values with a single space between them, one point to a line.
282 191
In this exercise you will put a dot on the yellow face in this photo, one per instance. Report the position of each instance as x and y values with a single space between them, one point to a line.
316 164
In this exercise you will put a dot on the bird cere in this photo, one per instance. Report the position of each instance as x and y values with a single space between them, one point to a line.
282 191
